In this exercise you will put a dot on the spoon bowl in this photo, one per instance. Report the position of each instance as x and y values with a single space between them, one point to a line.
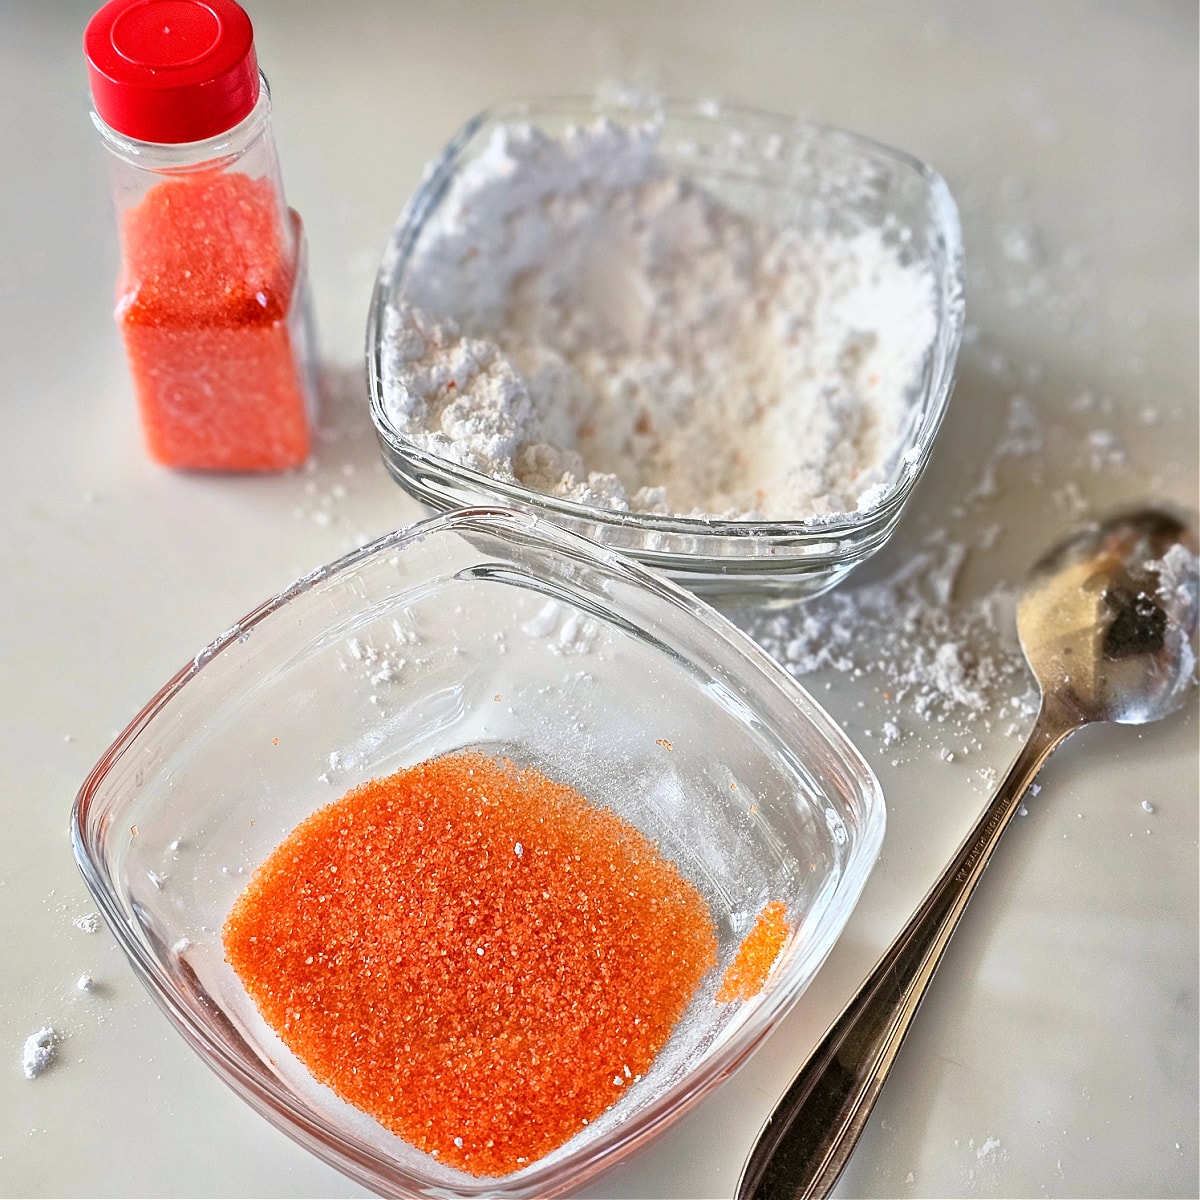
1107 621
1108 625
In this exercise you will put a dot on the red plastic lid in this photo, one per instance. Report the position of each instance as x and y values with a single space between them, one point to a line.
171 70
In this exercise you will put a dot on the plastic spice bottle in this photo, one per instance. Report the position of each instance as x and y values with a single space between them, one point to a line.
212 299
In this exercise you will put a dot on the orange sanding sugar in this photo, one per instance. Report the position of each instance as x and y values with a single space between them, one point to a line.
200 247
473 954
203 304
756 955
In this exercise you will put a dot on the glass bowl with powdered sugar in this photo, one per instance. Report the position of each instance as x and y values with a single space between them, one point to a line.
717 340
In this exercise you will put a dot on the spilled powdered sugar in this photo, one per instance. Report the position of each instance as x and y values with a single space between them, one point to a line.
1178 593
582 320
935 658
40 1051
943 659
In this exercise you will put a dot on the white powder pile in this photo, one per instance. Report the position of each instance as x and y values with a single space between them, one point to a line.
1178 593
945 662
582 320
39 1051
88 922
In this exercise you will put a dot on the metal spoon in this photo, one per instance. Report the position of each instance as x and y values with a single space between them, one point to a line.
1108 626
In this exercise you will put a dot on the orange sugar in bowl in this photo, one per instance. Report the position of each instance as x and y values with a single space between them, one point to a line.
623 728
514 954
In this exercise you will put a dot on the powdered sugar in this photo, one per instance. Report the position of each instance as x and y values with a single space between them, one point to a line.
934 658
88 922
582 320
39 1051
1178 593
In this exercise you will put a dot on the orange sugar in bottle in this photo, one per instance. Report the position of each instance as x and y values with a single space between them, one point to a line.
212 299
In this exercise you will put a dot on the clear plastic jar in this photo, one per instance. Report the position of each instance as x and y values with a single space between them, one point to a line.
212 298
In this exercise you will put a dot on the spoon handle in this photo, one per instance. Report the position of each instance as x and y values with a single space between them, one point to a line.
809 1137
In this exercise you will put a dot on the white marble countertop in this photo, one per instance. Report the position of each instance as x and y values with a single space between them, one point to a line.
1057 1053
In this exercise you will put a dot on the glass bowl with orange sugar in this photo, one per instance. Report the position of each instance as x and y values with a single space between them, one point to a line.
475 858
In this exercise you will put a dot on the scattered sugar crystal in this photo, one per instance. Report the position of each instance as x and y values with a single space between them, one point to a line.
87 922
1107 453
40 1050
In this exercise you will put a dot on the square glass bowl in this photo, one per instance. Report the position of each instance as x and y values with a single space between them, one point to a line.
787 173
492 630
